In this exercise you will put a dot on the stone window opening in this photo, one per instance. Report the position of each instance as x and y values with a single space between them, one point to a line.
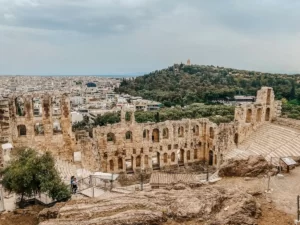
56 106
110 137
39 129
173 157
138 161
236 138
134 151
142 150
155 135
188 155
211 133
169 147
248 116
165 133
181 156
22 130
176 146
146 135
196 130
267 117
37 107
180 132
128 136
160 148
120 163
20 106
185 145
111 165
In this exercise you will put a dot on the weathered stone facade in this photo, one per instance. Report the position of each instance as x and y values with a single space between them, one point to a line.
129 146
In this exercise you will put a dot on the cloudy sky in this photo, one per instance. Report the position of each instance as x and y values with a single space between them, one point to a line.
81 37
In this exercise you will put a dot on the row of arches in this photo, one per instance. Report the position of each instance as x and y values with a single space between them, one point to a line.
258 115
156 158
38 106
39 129
156 134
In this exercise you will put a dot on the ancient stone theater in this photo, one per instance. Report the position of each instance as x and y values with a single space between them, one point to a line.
129 146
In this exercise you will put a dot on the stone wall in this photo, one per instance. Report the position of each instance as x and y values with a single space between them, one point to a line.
42 121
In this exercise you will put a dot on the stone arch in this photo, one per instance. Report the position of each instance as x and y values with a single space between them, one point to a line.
180 131
111 165
196 130
258 115
248 116
165 133
211 132
267 117
110 137
120 163
188 155
173 157
155 135
165 158
39 129
128 136
146 134
211 158
22 130
37 106
20 106
138 161
195 153
236 138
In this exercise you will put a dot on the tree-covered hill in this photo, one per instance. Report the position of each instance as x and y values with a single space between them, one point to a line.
184 85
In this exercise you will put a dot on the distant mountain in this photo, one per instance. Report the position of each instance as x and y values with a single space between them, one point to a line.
182 84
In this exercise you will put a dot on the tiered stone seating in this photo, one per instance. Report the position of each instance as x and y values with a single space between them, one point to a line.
270 141
67 170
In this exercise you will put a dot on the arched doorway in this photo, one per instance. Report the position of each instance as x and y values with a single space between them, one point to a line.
173 157
155 135
138 161
211 158
111 165
267 118
236 138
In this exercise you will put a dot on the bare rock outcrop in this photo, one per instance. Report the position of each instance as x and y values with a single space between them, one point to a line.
251 167
213 204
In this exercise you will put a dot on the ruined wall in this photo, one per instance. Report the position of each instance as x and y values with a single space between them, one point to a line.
42 121
129 146
248 117
39 122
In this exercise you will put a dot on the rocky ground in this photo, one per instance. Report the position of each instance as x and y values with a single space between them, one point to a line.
233 200
214 205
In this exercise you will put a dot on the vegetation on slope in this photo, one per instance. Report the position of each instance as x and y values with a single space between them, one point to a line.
184 85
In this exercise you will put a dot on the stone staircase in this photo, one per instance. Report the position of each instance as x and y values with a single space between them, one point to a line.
271 141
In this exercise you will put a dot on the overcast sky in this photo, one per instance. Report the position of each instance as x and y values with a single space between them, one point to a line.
81 37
